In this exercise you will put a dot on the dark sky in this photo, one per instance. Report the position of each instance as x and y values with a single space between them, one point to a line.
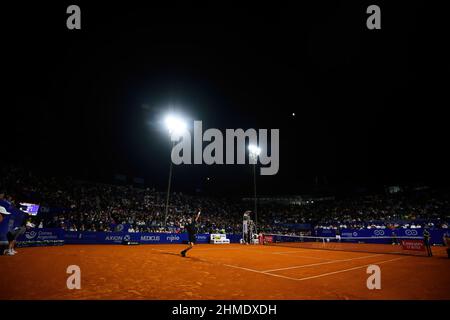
369 105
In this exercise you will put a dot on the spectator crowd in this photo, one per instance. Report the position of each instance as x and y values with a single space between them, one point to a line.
86 206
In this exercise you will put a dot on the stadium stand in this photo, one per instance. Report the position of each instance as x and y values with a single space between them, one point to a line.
86 206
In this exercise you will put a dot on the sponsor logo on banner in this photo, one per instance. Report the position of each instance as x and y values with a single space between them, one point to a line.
349 234
72 235
173 238
202 237
30 235
126 237
379 232
410 232
113 238
41 235
413 244
47 235
150 238
268 239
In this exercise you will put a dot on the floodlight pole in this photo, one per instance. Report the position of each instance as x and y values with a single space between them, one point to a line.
254 194
168 186
254 156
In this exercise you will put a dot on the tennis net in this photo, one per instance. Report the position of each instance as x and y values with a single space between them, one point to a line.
393 245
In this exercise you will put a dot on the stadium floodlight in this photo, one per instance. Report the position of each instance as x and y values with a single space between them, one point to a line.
254 152
175 125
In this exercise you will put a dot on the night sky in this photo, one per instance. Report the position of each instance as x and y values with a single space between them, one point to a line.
369 104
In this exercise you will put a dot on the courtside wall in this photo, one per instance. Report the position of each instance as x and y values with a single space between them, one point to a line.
47 236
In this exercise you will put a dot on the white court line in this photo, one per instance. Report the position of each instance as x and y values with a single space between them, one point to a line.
321 263
312 277
346 270
261 272
263 252
302 256
215 249
195 248
299 279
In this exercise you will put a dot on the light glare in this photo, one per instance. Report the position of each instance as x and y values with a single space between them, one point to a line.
254 150
175 125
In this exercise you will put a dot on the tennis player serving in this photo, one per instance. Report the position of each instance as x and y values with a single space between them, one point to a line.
191 229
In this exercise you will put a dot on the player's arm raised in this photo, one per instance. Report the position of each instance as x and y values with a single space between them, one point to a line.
198 215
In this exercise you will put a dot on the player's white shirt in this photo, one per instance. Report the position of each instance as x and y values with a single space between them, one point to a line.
245 226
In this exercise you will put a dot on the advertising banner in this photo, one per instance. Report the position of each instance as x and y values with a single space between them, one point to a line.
437 235
41 237
268 239
415 245
137 237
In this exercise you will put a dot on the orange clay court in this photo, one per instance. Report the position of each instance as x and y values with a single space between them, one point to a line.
219 272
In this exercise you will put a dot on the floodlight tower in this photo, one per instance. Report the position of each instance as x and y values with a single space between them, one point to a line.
254 152
176 126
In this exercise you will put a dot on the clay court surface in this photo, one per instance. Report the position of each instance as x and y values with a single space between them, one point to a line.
218 272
